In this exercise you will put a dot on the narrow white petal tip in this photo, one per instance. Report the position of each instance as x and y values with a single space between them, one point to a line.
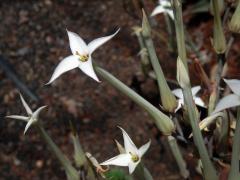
48 83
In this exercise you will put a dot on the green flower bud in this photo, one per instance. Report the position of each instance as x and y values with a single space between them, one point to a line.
219 41
182 74
234 24
220 4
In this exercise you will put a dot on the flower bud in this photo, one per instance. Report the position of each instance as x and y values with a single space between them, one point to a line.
220 4
219 41
182 74
146 28
234 24
164 123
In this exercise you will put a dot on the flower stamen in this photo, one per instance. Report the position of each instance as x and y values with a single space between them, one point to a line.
135 157
82 57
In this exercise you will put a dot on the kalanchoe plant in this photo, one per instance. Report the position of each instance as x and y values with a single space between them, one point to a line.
31 118
230 100
81 56
198 101
131 157
163 7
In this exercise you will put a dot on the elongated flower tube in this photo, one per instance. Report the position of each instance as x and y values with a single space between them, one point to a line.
31 118
198 101
164 6
182 74
234 24
81 55
162 121
168 100
230 100
131 157
219 41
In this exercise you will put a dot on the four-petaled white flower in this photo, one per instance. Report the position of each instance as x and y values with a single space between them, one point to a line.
81 55
230 100
32 116
178 93
132 155
163 7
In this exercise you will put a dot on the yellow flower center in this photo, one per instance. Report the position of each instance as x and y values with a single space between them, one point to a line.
135 157
82 57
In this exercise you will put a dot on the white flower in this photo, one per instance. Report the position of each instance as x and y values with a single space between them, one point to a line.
81 57
32 116
163 7
178 93
230 100
131 157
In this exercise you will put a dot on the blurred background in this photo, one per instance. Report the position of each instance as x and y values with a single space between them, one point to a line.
33 40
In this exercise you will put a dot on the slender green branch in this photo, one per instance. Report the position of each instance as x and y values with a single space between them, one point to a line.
71 172
234 171
178 156
208 168
177 7
163 122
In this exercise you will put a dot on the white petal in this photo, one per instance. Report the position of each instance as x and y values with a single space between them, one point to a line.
132 166
178 93
77 44
27 108
120 160
87 68
195 90
37 112
93 45
180 103
165 3
159 9
143 149
209 120
23 118
234 84
65 65
228 101
30 122
198 101
170 13
128 144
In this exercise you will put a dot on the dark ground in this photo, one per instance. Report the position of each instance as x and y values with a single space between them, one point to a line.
33 38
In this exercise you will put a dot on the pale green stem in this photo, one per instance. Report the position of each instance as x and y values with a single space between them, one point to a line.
71 172
179 28
208 168
168 100
162 121
234 171
178 156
